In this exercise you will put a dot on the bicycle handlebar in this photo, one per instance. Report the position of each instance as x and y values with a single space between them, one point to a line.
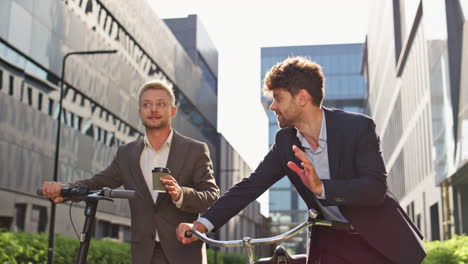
248 242
83 192
259 241
122 194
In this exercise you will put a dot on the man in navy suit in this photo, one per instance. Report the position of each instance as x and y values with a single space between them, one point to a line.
334 160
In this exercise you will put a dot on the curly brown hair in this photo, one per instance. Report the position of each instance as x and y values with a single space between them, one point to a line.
294 74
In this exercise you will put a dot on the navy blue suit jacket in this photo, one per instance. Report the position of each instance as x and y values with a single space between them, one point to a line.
357 185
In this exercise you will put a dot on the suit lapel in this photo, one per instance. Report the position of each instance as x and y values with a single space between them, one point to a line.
333 143
298 144
175 158
135 169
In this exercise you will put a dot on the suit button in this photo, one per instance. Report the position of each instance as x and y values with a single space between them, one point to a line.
339 200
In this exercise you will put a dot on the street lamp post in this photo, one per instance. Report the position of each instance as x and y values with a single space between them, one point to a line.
50 253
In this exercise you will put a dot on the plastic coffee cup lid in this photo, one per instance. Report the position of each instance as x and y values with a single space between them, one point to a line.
160 169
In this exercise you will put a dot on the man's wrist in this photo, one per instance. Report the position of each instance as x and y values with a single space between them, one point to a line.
178 203
199 227
319 190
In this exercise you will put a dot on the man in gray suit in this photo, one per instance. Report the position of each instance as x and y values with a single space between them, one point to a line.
191 187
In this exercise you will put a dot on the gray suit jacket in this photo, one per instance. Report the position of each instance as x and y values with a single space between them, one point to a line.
191 166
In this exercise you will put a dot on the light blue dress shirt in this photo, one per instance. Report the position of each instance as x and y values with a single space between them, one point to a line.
319 159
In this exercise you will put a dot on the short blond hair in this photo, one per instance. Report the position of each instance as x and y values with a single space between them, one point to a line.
156 85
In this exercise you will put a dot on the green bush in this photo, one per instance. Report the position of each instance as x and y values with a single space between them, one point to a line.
16 248
32 249
26 248
234 258
212 255
226 258
452 251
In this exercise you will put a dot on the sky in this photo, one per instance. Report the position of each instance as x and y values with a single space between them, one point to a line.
239 29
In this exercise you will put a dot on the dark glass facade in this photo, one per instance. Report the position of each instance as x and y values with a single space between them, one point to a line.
100 106
190 32
100 109
196 42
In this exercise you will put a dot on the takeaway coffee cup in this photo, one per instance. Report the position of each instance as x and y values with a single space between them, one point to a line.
159 172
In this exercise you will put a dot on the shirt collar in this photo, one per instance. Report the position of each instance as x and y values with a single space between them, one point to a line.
168 141
322 137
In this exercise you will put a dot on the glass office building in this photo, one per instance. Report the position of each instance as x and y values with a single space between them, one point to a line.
345 89
100 99
100 105
190 32
414 59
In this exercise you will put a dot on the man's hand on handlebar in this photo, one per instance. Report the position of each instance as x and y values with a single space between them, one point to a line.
182 231
52 191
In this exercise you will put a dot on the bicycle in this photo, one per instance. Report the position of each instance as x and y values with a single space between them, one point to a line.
91 198
280 255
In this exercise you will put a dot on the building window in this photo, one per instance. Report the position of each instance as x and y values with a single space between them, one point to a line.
104 140
107 229
29 96
98 138
89 131
126 233
131 132
71 118
435 229
280 200
208 77
79 120
102 229
397 27
410 211
39 101
39 218
64 115
10 90
51 106
5 222
418 221
1 80
20 216
112 140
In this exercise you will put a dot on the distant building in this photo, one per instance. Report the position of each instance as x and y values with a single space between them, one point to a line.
191 34
344 89
249 222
